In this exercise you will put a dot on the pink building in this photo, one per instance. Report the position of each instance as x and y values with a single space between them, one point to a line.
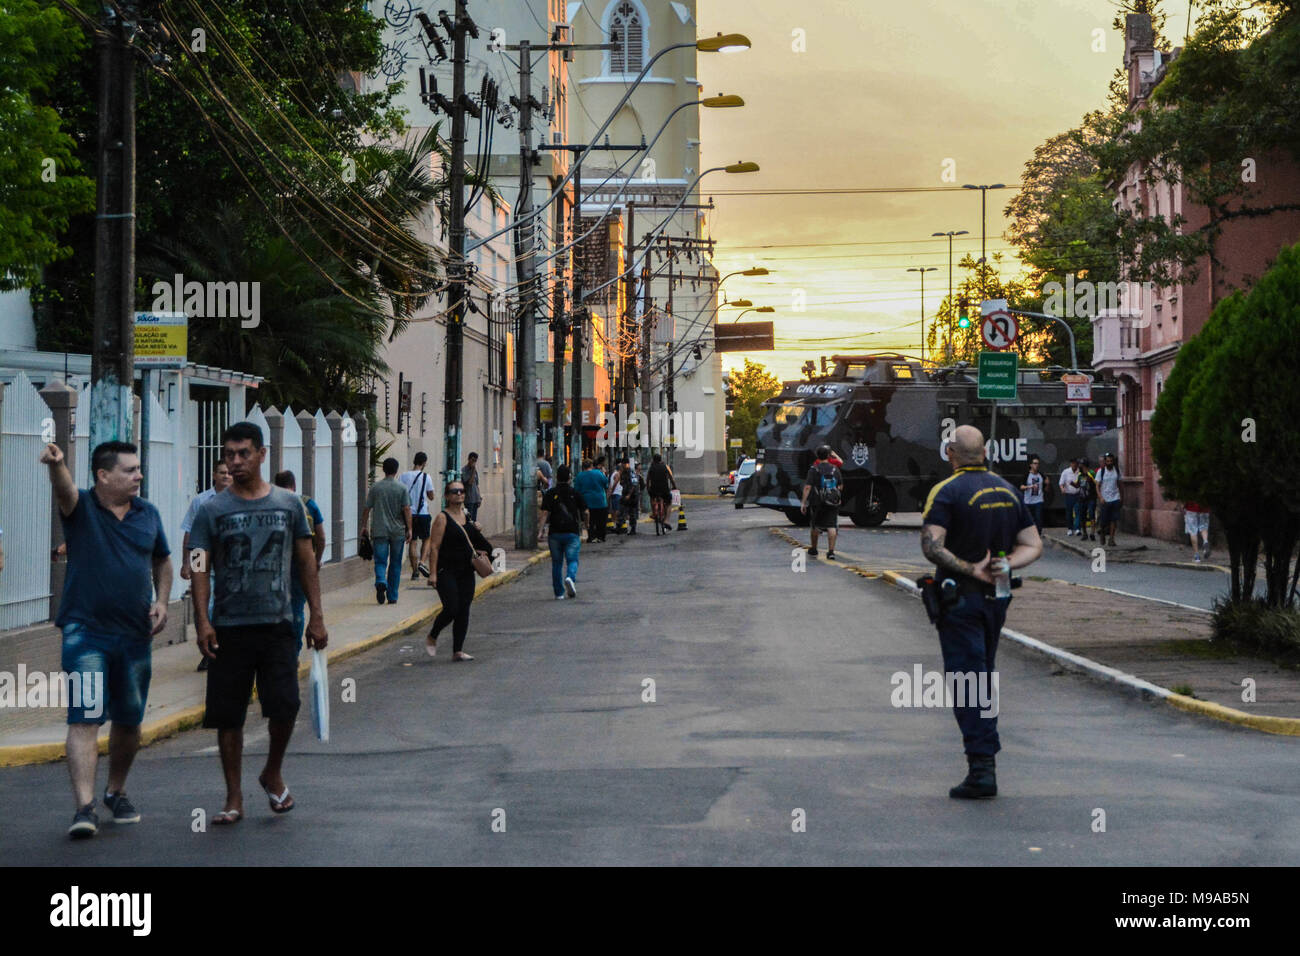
1135 345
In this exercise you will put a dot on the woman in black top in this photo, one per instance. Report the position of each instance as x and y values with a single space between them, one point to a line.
453 574
661 484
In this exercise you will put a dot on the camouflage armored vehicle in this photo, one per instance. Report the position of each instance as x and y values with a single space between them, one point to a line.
887 417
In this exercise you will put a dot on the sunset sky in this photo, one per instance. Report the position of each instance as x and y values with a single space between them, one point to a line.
882 96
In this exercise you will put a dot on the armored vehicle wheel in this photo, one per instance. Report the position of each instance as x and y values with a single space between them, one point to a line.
872 513
797 517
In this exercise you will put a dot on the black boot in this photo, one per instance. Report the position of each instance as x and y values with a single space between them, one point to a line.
980 782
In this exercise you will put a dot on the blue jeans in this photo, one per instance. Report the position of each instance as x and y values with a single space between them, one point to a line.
1085 511
1071 505
388 564
968 636
1036 512
113 672
564 551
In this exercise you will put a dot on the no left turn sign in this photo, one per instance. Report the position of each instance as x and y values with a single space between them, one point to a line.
999 329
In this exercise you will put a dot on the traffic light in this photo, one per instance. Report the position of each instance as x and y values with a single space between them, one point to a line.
963 310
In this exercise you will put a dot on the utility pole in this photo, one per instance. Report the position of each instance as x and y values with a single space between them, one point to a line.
575 324
112 361
672 405
628 332
458 267
526 252
559 333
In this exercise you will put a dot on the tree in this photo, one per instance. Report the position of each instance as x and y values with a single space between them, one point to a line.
1231 94
1064 224
40 185
749 388
1225 428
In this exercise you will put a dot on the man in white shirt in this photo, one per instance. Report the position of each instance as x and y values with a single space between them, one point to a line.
1108 492
220 482
419 487
1069 485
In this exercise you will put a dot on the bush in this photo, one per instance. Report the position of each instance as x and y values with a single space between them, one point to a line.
1255 627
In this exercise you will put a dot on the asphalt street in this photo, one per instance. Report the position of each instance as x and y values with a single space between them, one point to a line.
772 704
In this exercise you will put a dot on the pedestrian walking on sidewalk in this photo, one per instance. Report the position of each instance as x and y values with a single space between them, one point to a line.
970 518
661 484
473 494
119 579
1087 503
1069 486
220 482
1033 492
246 543
822 495
591 485
1196 522
391 505
1107 479
563 513
629 500
419 486
316 525
448 562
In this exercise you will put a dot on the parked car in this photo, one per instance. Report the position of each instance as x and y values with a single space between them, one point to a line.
736 476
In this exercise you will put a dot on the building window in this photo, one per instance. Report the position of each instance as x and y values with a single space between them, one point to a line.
626 20
498 324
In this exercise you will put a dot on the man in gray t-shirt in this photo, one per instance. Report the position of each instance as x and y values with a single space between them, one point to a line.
251 548
390 504
245 542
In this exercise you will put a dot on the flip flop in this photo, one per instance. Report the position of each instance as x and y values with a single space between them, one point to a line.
281 804
226 817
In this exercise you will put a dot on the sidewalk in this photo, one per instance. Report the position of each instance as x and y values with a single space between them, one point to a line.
176 691
1134 549
1149 647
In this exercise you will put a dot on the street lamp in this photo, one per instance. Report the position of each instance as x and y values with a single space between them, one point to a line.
923 271
740 304
951 305
740 167
761 308
728 43
984 195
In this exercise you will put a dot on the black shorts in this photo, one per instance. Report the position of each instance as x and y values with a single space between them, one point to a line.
420 525
265 652
825 517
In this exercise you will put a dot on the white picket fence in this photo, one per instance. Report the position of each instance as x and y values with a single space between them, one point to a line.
172 466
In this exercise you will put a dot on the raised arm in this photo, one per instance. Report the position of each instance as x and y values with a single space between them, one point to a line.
65 491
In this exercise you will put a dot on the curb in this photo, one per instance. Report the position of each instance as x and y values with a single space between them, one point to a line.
1286 726
22 755
1087 553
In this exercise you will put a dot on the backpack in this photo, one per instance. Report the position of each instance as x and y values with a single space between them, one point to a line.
828 488
561 509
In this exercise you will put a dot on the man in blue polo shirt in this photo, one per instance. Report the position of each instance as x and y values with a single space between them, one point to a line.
114 600
971 518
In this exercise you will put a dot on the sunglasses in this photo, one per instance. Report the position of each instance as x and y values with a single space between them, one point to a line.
455 491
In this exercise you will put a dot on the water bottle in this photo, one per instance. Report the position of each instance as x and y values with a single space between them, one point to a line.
1002 577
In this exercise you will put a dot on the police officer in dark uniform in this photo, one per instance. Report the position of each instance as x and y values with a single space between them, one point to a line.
969 518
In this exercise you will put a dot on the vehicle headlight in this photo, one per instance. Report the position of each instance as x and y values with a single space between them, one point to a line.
758 467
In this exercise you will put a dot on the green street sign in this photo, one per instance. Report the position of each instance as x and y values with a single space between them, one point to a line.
997 375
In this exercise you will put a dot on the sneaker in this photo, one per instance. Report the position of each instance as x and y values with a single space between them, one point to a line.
1197 557
559 597
813 552
415 575
123 811
570 587
85 824
830 555
381 594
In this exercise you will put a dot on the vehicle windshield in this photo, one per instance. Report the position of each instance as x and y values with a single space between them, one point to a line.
746 468
804 418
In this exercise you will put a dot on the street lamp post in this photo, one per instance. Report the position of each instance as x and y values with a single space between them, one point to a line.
761 308
984 193
923 271
951 304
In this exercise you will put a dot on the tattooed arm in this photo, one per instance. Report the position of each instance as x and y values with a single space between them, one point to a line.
932 539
